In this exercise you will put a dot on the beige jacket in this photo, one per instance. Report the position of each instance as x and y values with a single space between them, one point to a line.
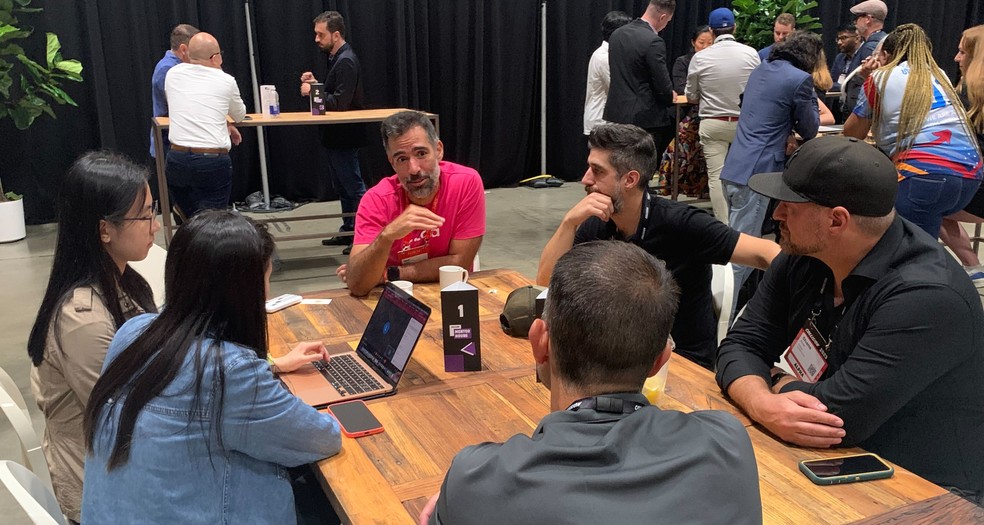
73 357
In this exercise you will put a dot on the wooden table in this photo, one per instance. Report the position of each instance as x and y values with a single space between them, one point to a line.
258 120
387 477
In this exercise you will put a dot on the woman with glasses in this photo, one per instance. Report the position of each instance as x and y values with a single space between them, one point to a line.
105 219
916 119
187 423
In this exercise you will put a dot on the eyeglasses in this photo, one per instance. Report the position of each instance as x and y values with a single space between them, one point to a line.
846 37
213 55
155 209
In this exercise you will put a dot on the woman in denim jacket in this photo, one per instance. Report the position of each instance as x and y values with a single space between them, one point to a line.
187 423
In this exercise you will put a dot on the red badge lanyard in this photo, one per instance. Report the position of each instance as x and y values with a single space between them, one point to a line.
406 251
809 352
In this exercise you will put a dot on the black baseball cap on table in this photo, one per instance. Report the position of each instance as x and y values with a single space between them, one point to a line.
835 171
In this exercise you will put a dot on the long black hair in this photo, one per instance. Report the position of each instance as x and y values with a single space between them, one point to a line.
213 281
100 186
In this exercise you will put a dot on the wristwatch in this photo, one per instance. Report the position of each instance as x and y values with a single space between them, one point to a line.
776 377
392 273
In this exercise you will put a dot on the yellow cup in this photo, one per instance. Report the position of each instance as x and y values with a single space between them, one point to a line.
654 386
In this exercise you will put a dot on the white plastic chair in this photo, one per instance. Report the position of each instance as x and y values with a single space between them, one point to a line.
723 293
13 406
152 269
31 494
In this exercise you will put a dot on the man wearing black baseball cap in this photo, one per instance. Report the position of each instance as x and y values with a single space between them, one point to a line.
885 332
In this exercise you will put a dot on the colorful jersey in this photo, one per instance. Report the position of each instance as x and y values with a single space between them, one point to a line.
460 200
944 145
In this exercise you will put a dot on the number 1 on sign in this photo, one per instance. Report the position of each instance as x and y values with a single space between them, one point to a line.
461 310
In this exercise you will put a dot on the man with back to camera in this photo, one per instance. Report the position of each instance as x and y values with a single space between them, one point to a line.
604 454
779 99
599 72
784 25
200 96
715 80
886 330
431 213
869 20
619 207
641 90
177 54
343 92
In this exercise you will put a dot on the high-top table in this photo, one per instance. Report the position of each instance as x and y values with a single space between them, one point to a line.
254 120
388 477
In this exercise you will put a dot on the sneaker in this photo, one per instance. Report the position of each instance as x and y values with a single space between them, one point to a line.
337 241
976 274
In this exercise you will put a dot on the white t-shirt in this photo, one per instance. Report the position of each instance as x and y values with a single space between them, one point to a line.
198 99
596 94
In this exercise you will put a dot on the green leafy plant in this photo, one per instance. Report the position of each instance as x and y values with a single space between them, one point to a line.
27 87
755 18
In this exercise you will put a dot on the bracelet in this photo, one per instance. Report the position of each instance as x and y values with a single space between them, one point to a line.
778 377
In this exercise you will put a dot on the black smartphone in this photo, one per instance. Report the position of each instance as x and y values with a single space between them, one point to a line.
355 418
846 469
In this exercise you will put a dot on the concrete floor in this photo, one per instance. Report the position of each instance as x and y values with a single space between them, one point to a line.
520 221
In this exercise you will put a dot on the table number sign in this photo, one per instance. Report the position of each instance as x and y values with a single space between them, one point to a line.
459 315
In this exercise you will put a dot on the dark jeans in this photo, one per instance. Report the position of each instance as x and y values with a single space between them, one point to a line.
199 181
343 167
926 199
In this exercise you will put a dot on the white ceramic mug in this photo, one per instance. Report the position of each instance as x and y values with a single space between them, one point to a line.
451 275
406 286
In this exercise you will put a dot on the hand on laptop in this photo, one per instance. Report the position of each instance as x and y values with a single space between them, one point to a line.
300 355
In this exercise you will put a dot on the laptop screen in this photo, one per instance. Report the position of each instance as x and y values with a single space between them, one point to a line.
392 332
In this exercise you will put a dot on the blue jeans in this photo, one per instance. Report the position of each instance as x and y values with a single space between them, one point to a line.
199 181
343 166
746 216
925 199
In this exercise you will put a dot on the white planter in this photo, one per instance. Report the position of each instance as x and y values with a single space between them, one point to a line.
12 221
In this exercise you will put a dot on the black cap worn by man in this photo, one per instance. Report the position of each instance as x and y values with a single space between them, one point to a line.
900 329
835 171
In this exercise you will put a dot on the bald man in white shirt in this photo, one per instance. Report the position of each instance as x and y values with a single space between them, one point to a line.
201 99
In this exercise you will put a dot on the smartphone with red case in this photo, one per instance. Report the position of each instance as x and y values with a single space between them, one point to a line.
355 418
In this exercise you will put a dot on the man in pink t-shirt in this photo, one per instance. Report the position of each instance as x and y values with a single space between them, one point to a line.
431 213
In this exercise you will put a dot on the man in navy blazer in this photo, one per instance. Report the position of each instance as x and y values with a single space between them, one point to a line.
779 98
641 90
343 92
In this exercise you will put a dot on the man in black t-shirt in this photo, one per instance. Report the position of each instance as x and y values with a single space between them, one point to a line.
689 240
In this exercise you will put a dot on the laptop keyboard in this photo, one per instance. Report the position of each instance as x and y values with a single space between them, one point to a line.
347 375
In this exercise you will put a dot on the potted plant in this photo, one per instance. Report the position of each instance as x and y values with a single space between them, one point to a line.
27 88
754 18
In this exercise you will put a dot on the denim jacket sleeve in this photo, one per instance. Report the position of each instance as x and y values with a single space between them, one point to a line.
263 420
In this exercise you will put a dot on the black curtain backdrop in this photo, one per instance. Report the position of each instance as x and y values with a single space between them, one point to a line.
474 62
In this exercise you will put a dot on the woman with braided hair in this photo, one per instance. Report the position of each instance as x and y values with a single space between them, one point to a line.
916 119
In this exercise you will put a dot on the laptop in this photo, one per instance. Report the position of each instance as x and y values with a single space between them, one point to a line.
375 367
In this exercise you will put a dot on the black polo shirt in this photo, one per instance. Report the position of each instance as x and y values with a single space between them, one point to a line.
688 240
906 359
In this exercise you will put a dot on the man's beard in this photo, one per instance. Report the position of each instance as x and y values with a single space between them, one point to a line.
617 201
787 245
422 192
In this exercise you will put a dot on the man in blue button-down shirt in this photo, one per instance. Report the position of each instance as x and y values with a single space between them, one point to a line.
178 53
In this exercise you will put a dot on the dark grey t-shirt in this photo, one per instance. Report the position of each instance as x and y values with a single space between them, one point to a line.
652 466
